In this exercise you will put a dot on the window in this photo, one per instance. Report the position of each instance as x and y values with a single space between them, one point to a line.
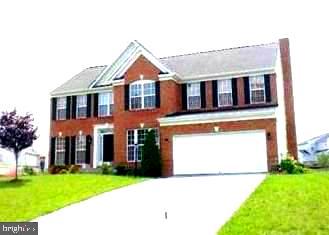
193 96
257 89
60 151
225 92
81 106
80 149
105 104
135 143
142 94
61 108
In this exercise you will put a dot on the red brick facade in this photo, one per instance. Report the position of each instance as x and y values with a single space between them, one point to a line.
171 102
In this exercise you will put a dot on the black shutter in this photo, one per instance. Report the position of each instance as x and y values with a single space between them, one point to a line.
74 107
89 105
203 94
72 149
67 150
52 150
234 91
267 82
88 151
53 108
68 107
157 94
95 105
184 97
246 90
214 94
127 97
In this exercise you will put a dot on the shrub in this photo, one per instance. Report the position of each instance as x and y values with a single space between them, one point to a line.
323 159
74 169
120 169
106 169
59 169
27 170
151 160
291 166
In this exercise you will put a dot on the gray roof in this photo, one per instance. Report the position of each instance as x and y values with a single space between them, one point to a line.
233 60
223 61
81 81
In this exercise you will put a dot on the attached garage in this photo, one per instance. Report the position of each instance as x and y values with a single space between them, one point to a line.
226 152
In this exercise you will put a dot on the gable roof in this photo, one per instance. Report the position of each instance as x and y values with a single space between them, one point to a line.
229 62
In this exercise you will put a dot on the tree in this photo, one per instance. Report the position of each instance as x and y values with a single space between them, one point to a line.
16 133
151 160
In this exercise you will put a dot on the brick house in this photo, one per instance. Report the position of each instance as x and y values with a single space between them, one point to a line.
221 111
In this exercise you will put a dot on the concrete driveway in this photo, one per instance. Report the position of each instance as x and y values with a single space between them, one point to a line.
178 205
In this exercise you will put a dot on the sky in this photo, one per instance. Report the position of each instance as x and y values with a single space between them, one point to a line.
45 43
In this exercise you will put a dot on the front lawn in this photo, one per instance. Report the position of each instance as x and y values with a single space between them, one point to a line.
285 204
37 195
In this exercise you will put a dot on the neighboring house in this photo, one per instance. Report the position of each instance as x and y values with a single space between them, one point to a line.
221 111
28 157
308 150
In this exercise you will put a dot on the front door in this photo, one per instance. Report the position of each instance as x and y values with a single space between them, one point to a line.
108 152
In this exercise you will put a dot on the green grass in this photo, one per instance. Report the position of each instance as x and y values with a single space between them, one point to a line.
34 196
285 204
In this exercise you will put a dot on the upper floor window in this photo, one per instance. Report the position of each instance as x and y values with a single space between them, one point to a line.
142 94
105 104
193 96
225 92
81 149
257 89
81 106
135 143
60 151
61 108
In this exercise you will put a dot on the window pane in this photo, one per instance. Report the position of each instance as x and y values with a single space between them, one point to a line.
136 102
257 82
102 110
135 90
149 88
61 102
193 89
104 98
257 96
224 86
149 101
131 137
61 114
81 112
225 99
194 102
131 153
141 136
139 152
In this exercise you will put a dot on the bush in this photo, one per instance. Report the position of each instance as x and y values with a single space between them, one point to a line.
61 169
151 160
27 170
291 166
120 169
106 169
74 169
323 159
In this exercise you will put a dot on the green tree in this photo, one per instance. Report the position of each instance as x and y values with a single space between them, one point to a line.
151 159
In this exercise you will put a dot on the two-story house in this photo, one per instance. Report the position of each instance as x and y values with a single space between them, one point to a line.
221 111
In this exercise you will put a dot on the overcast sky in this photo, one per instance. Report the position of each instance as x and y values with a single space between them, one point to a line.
44 43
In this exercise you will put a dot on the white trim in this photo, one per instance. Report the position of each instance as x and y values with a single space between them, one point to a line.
227 75
262 113
81 92
281 114
97 128
125 60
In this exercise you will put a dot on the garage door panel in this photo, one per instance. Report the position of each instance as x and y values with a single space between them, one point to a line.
234 152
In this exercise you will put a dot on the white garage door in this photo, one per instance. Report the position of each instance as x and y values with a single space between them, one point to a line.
213 153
